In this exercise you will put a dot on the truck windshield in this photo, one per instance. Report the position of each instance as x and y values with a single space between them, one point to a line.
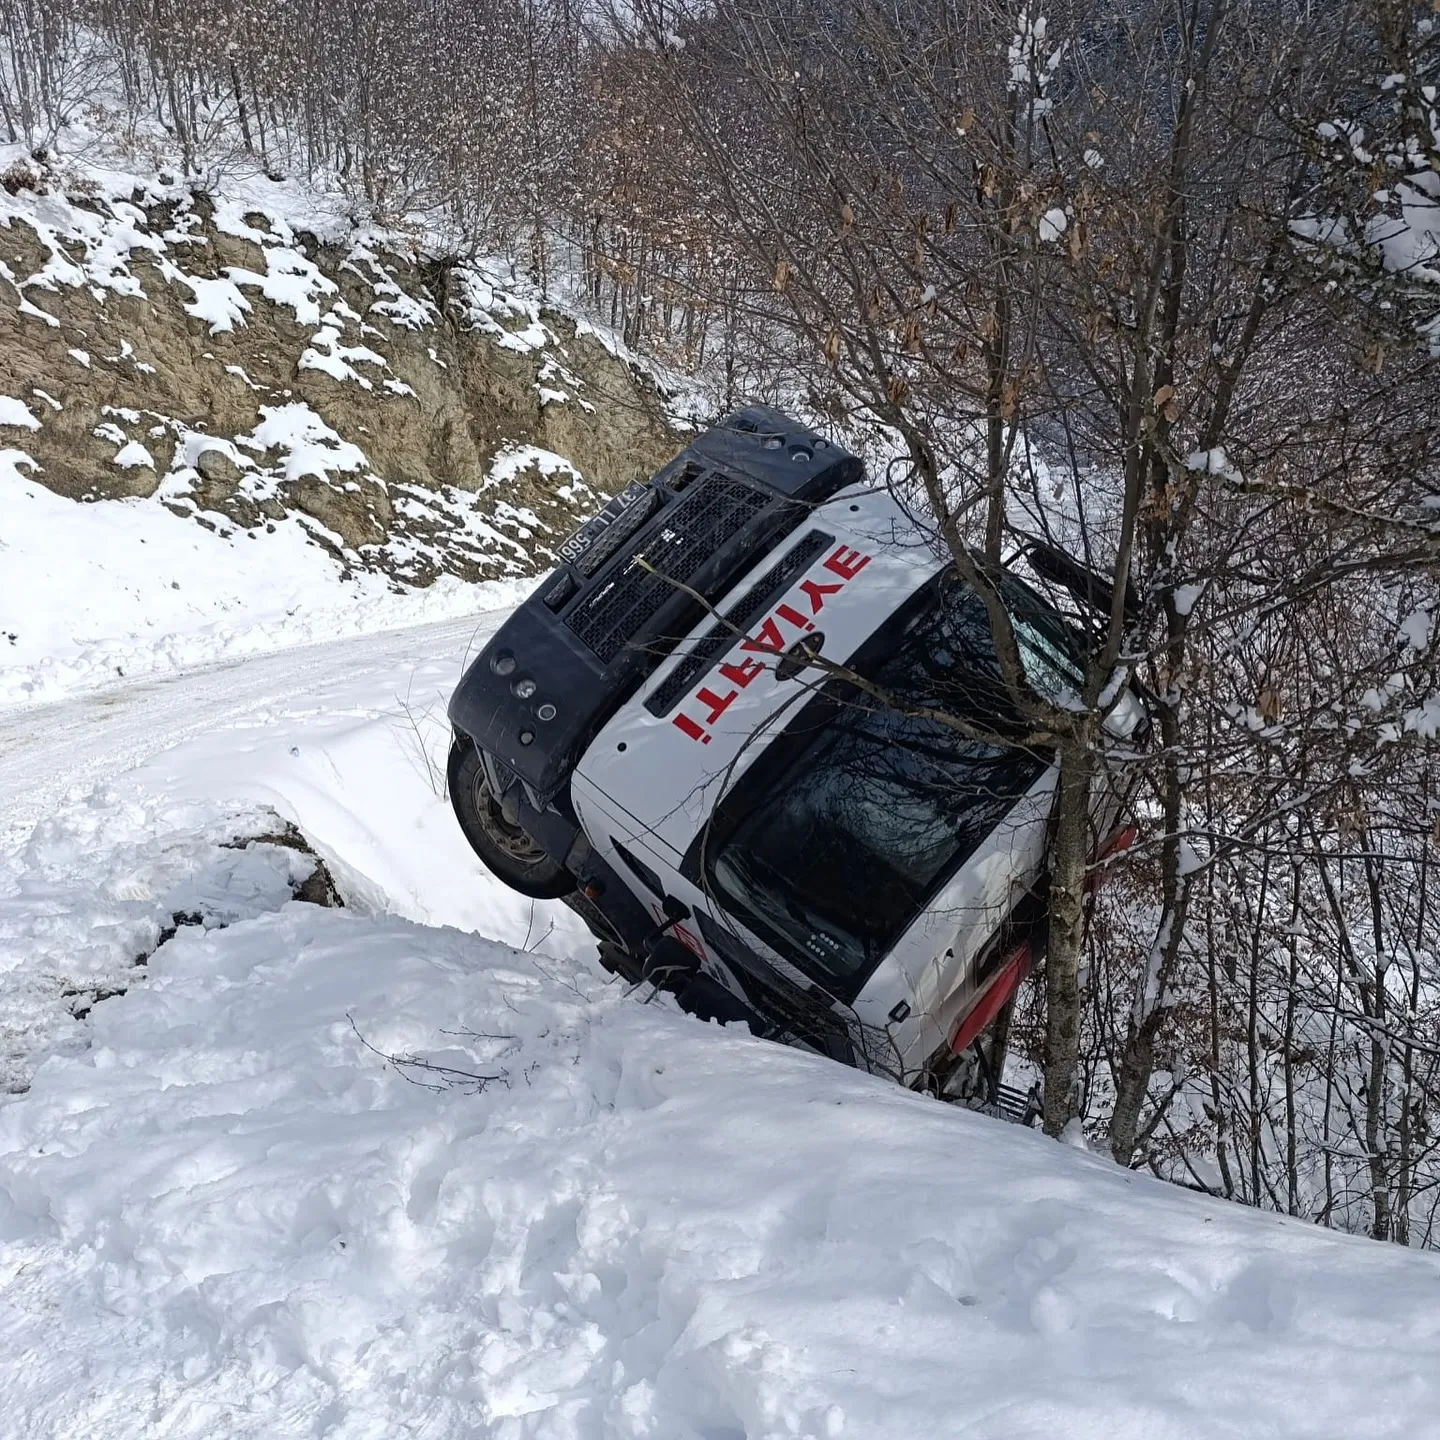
849 822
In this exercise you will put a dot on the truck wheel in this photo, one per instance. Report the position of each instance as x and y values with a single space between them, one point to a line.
506 850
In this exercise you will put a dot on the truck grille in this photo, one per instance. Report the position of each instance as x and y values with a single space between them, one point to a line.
690 532
719 638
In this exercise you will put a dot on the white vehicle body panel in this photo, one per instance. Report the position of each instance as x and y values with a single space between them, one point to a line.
653 782
670 780
932 965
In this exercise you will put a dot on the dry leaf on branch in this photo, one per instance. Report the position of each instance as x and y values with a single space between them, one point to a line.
1166 404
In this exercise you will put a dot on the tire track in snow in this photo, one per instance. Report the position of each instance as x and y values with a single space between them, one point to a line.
47 751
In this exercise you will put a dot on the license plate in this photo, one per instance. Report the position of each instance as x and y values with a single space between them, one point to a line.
615 509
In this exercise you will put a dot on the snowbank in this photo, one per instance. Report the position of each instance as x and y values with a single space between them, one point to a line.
348 741
233 1217
94 594
88 897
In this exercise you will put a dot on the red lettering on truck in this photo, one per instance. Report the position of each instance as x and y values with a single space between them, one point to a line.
774 633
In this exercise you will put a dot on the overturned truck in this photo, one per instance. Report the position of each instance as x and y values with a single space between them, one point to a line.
719 730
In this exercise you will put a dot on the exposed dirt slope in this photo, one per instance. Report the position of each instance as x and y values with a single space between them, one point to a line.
215 354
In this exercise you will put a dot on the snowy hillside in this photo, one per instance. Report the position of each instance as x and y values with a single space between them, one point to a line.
225 1213
142 591
246 418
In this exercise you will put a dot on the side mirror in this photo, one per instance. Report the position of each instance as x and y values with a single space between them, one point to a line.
675 910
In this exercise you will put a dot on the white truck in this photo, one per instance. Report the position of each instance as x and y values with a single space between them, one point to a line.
650 736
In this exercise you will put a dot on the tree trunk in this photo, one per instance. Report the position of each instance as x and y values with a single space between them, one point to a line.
1377 1138
1378 1146
1292 983
1137 1064
240 108
1069 852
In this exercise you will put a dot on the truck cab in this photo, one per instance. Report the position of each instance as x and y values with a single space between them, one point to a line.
753 728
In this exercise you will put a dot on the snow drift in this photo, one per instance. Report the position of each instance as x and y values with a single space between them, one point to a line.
225 1212
593 1217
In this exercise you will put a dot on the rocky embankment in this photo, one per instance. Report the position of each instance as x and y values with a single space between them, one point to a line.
247 360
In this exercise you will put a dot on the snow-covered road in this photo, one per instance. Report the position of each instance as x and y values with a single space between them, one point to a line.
48 750
110 800
224 1215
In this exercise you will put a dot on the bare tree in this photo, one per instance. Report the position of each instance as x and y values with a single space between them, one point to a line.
1057 256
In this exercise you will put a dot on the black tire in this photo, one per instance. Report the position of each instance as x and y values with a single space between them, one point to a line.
505 850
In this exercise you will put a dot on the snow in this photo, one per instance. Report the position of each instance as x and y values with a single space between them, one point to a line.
1409 242
338 361
398 307
1216 462
16 414
1186 595
1424 719
69 934
310 446
1402 228
1053 224
224 1211
232 1217
160 593
1414 630
28 307
290 279
503 306
218 302
133 455
513 460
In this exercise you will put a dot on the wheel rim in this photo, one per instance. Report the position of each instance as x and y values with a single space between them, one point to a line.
510 839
